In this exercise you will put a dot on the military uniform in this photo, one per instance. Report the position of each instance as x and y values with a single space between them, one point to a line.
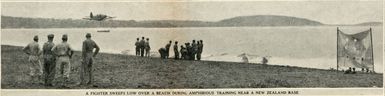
194 49
142 44
63 52
167 50
200 49
87 54
176 51
33 50
183 52
137 48
189 51
49 61
162 52
147 48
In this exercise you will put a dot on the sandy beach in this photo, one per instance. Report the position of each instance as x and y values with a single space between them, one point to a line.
117 71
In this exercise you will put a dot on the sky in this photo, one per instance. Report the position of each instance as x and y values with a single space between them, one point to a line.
328 12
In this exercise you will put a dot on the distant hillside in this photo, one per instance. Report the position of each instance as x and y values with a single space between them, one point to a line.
370 24
21 22
258 20
268 20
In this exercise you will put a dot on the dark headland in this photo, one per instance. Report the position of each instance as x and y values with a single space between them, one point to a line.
116 71
240 21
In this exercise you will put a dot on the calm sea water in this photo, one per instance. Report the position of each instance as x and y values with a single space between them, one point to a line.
313 47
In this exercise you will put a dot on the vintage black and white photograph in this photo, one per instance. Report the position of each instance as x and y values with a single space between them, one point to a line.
192 44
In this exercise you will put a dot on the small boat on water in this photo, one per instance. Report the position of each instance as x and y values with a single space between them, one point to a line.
103 31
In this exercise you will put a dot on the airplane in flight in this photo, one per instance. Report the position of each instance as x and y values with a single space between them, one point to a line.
98 17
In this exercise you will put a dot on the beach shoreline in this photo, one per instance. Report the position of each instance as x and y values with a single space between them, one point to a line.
118 71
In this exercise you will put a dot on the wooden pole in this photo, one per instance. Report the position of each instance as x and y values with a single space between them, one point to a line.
337 46
371 43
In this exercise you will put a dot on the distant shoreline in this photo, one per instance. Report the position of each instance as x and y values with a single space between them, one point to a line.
240 21
203 27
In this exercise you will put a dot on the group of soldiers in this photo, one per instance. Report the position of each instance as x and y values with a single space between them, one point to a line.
142 47
56 60
187 52
191 51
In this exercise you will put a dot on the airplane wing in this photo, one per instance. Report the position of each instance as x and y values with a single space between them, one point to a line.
110 17
87 18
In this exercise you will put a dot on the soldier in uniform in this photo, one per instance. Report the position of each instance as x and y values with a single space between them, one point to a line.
33 52
49 61
168 49
183 51
193 50
142 44
137 47
188 48
200 49
87 53
147 47
176 51
63 52
162 52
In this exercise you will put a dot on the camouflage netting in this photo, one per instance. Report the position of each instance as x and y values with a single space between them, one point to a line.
355 50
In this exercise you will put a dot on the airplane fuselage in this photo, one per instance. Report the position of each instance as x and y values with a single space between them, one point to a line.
98 17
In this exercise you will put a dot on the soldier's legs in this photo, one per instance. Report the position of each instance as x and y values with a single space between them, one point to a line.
162 55
136 51
85 70
51 72
58 72
82 71
191 57
62 70
199 56
49 67
194 55
33 72
176 55
146 53
142 52
45 71
66 71
35 69
89 71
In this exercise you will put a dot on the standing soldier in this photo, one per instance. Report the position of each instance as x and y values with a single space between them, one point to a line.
193 50
137 47
49 61
176 51
64 52
142 44
188 48
147 47
200 49
168 49
33 52
88 54
183 51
